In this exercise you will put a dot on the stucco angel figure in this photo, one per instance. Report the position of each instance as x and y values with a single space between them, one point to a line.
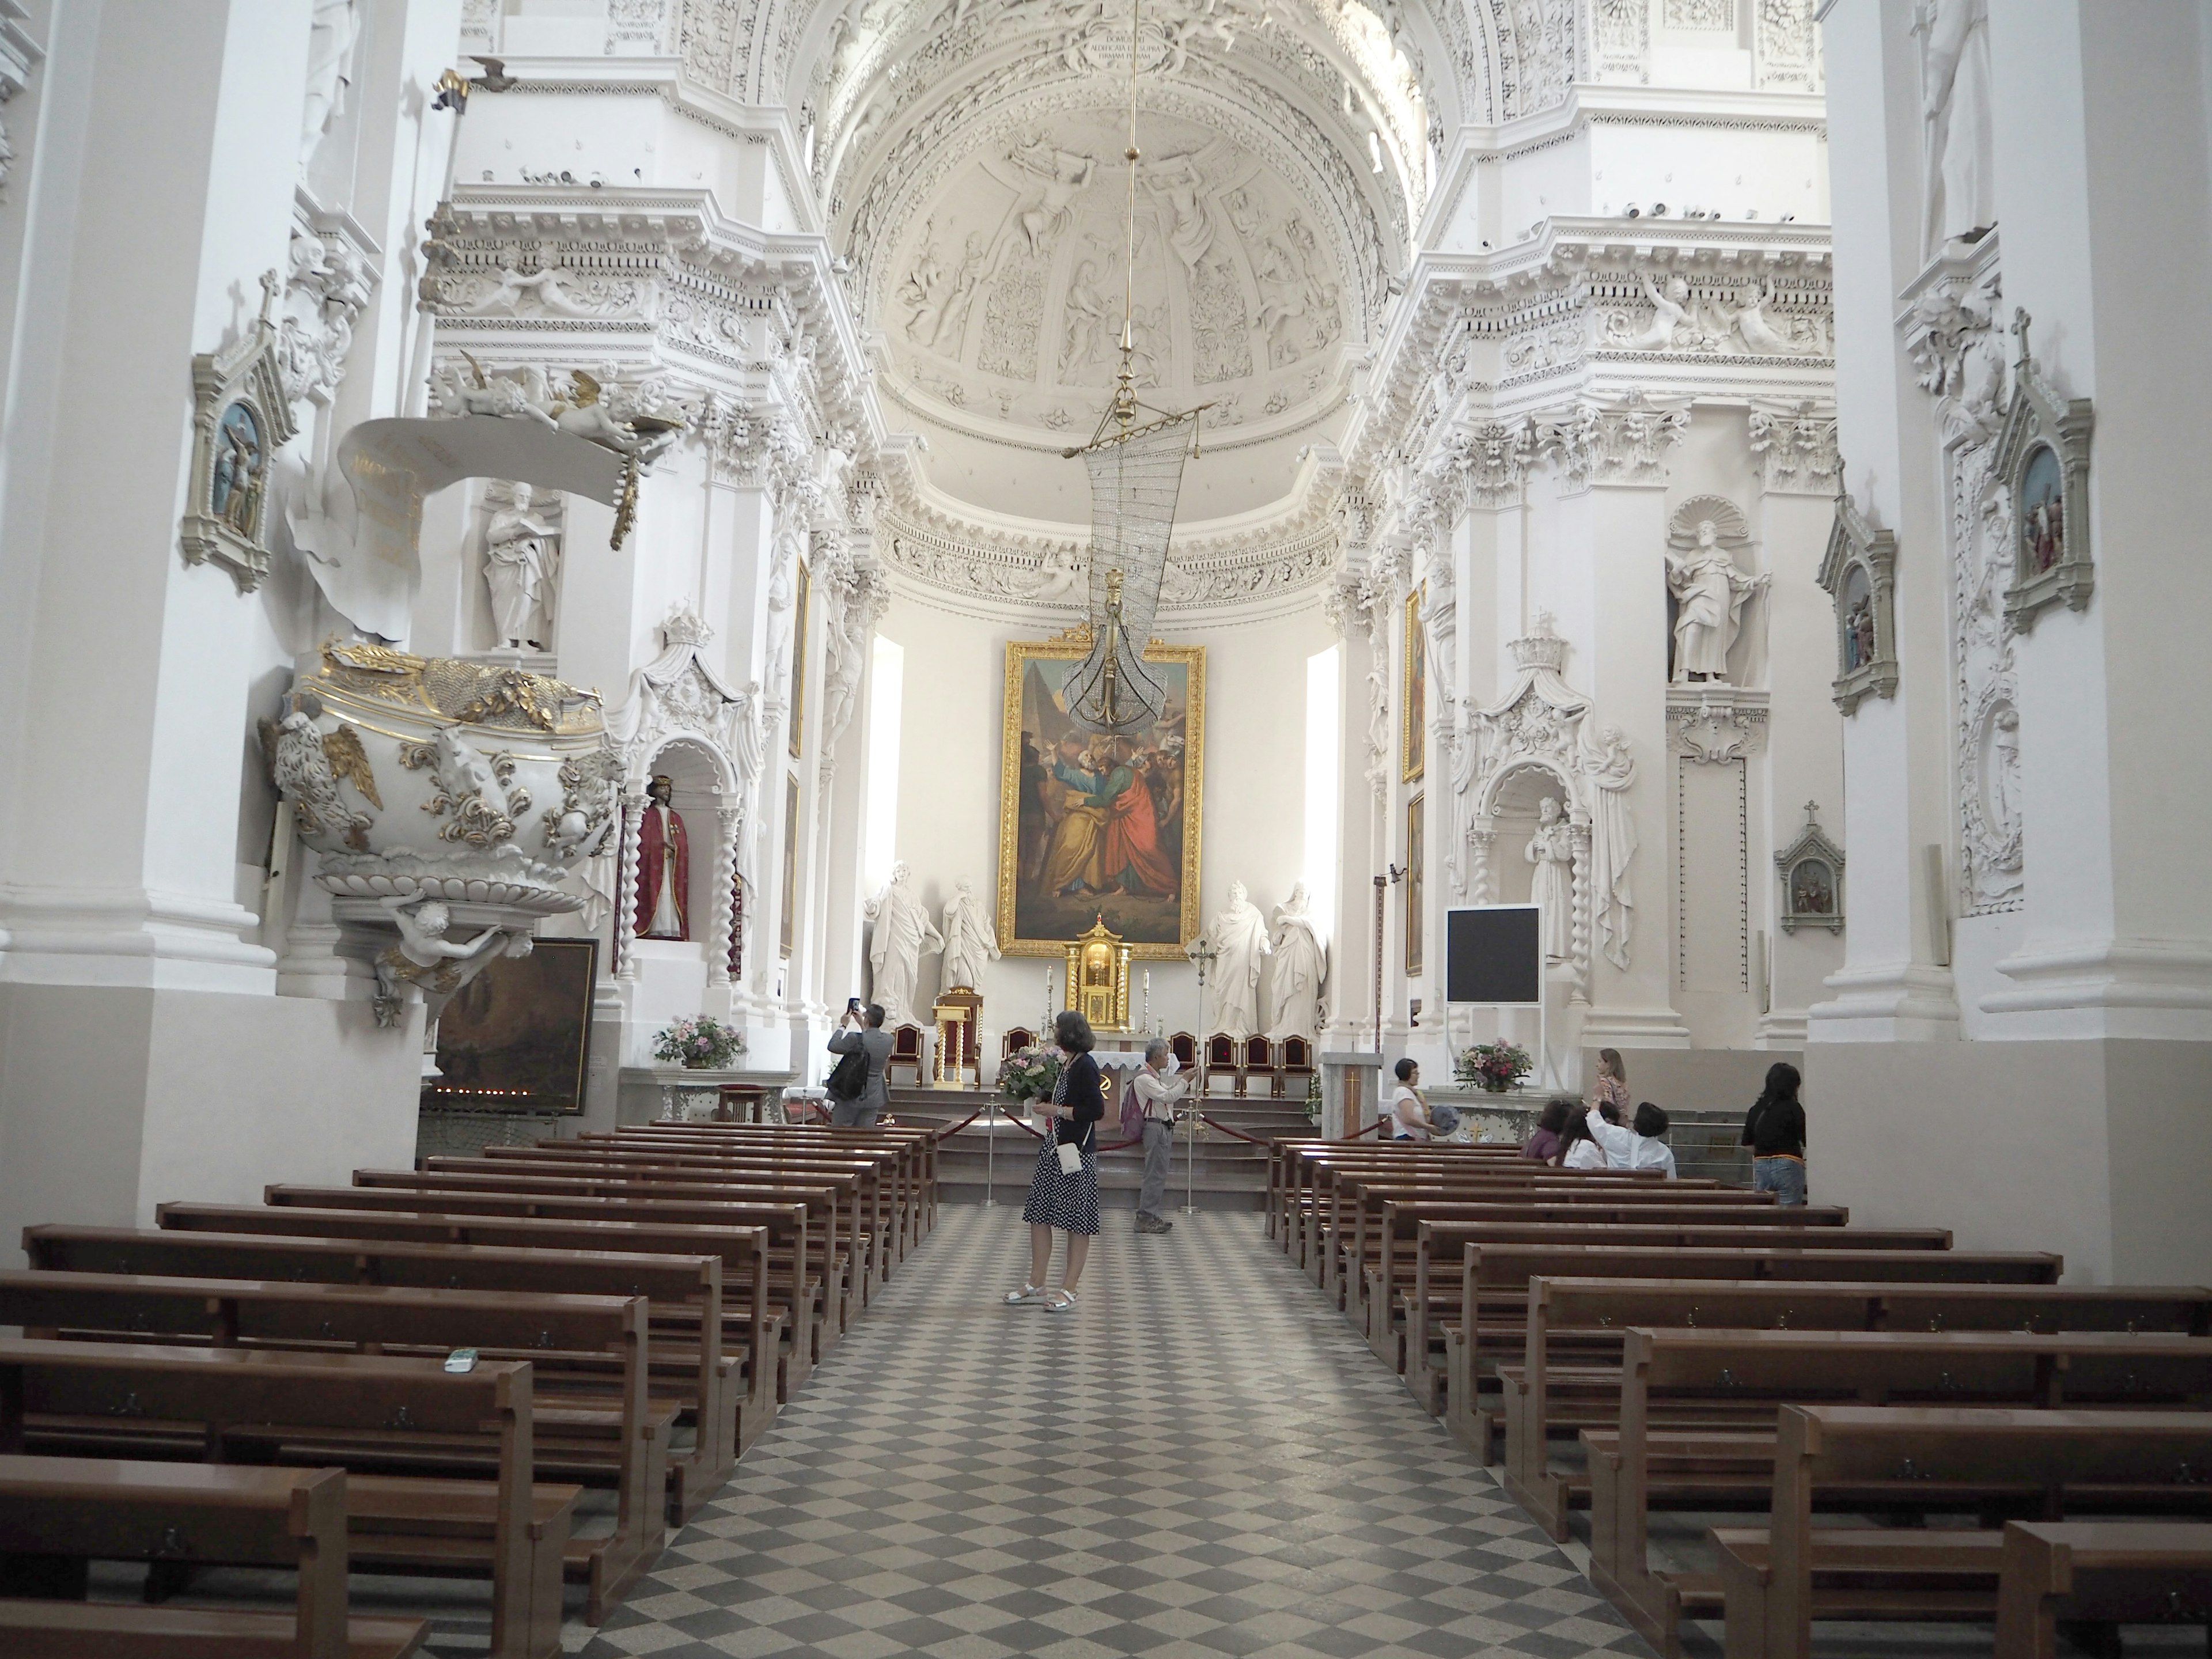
1552 850
1063 575
1239 933
903 935
1670 309
518 571
1711 589
1301 971
425 960
970 941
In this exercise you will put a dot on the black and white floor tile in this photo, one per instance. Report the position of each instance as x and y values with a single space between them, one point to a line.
1200 1459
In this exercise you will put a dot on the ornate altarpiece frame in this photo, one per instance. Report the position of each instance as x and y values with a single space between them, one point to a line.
1866 610
2038 423
1072 646
241 419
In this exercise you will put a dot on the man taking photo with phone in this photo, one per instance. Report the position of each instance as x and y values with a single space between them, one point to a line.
861 1034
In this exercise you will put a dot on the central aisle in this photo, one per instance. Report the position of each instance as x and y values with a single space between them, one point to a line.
1202 1459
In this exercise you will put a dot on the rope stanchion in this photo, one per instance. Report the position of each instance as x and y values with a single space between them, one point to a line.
1214 1122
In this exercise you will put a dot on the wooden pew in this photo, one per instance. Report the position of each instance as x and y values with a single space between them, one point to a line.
625 1447
832 1243
2121 1572
1289 1158
501 1218
58 1514
1779 1579
1491 1329
692 1360
1406 1294
225 1405
1751 1375
1570 1375
915 1147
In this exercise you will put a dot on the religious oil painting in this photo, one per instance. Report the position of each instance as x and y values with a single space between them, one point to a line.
1414 703
1092 824
787 928
1417 855
2042 513
797 697
516 1037
234 489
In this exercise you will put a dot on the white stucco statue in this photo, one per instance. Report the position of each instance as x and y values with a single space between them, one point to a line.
1709 588
1552 850
1240 934
970 941
1301 971
518 571
332 27
1954 112
903 935
426 960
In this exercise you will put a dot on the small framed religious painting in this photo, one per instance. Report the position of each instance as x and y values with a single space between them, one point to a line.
2043 457
517 1038
241 419
1860 574
1812 872
1417 855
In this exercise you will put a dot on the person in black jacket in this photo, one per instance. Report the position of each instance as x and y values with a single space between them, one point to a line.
1774 1129
1058 1199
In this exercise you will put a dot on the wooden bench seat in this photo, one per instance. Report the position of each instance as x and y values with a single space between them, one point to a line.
1775 1581
623 1445
58 1515
236 1406
1640 1465
1569 1377
2121 1572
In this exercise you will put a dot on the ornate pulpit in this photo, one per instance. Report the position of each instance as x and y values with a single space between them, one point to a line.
1098 978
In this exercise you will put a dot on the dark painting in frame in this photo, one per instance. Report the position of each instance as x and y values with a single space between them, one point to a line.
517 1038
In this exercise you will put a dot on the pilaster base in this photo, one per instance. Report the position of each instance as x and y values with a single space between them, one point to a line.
1900 1002
2156 989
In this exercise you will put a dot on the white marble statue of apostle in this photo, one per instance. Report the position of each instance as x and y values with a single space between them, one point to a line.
903 935
970 941
1301 971
1239 933
1552 850
1709 588
1954 99
518 571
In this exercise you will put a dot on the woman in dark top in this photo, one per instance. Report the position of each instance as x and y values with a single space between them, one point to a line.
1774 1129
1545 1145
1057 1199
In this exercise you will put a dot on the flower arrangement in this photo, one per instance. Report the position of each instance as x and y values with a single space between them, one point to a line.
699 1044
1030 1074
1494 1067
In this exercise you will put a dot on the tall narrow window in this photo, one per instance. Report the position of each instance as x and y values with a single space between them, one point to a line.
886 674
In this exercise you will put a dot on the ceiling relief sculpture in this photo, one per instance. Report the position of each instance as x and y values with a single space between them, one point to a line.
1004 299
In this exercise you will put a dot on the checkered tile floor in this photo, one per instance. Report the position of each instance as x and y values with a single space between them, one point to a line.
1201 1459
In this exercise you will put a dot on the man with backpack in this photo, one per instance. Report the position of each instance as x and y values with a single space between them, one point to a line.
1154 1091
857 1094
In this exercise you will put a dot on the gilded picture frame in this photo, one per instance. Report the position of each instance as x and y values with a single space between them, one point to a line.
1057 818
1416 864
1413 698
803 593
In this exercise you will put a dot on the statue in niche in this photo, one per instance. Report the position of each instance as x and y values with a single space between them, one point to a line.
1552 850
331 33
1301 970
1711 590
970 941
903 935
664 866
1239 934
1954 106
519 569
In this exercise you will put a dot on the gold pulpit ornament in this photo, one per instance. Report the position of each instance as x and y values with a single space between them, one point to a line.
1098 978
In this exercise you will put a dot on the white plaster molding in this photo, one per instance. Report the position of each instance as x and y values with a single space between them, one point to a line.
1795 443
2156 990
141 937
1887 1002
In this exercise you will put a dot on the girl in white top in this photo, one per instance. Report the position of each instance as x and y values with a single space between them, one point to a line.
1583 1151
1637 1147
1409 1116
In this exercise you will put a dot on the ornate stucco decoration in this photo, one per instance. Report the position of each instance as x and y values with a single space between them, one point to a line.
2043 458
1859 573
1949 328
332 270
20 55
1542 725
1795 444
240 418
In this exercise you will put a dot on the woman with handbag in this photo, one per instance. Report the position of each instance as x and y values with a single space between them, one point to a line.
1064 1191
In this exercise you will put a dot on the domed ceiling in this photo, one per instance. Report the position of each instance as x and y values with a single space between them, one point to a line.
972 156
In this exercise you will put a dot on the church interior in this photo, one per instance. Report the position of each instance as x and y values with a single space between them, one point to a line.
1514 554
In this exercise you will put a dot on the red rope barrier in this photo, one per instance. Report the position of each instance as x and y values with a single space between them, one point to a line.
1239 1133
1370 1129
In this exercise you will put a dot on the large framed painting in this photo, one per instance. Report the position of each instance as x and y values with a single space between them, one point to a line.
1091 826
797 694
787 927
1416 862
516 1037
1414 704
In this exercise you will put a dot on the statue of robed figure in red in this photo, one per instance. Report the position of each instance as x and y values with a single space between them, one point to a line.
664 866
1131 855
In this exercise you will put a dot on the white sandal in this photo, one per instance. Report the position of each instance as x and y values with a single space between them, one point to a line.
1027 1294
1059 1301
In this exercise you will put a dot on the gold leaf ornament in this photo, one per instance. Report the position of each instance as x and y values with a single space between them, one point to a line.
349 761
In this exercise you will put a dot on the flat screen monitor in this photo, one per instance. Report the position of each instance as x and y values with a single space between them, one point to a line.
1493 953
